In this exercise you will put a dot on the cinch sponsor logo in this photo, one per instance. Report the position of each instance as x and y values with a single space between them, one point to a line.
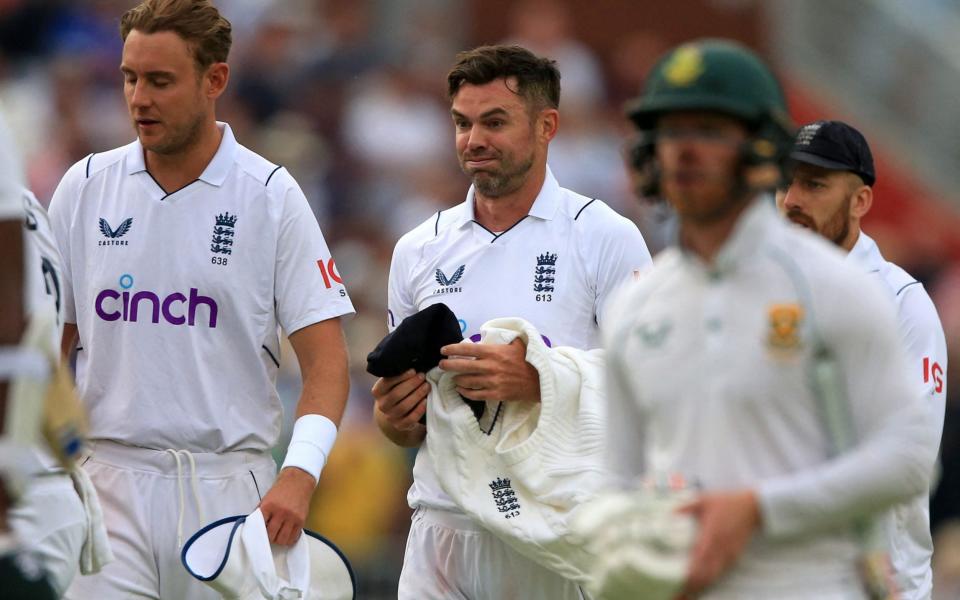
175 308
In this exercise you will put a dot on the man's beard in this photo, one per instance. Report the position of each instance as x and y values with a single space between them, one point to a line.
506 180
181 138
836 228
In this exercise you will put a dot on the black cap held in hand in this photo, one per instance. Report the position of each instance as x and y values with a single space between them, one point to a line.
837 146
415 343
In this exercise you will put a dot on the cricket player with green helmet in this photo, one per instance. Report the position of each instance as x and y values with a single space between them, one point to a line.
751 368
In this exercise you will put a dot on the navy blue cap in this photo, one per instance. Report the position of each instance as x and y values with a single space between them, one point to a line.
834 145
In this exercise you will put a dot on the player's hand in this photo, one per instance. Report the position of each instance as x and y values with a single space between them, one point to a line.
492 372
285 506
727 521
402 399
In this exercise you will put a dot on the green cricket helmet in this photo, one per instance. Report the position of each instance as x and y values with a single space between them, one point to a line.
721 76
711 74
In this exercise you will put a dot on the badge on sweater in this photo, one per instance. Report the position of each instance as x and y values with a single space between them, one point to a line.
505 497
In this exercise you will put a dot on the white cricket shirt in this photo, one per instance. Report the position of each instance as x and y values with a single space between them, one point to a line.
711 371
44 261
41 257
907 526
555 268
178 296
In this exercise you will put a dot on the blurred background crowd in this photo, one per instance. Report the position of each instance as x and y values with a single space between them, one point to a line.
349 96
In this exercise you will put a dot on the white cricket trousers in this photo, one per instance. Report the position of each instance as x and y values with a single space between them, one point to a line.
449 557
140 493
51 521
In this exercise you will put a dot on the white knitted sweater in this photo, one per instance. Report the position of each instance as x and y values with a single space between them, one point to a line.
525 479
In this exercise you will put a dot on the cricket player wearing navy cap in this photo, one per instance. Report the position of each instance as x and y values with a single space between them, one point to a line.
830 192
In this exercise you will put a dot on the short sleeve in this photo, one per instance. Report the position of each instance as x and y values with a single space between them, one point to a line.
926 348
400 301
622 255
925 342
308 286
62 207
46 256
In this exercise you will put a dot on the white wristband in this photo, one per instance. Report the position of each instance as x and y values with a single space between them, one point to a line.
313 437
23 361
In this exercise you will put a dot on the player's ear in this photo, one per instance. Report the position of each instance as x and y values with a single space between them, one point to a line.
862 201
215 79
548 123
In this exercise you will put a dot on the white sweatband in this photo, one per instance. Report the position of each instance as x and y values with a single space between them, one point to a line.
313 437
20 361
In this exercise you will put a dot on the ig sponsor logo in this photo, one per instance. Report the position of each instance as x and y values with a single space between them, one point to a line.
175 308
328 270
933 370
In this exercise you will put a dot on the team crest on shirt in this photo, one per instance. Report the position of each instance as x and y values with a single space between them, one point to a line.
545 276
113 235
784 323
222 240
653 335
505 497
448 284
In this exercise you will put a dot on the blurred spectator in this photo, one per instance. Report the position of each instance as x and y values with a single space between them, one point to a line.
543 26
631 59
25 28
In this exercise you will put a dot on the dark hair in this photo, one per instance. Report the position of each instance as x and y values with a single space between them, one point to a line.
538 80
196 21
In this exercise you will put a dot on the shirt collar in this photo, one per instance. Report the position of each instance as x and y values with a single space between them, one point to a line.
866 253
216 171
544 206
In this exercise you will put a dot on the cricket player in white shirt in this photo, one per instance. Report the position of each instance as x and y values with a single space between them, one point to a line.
22 572
724 357
184 252
49 517
830 191
521 246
